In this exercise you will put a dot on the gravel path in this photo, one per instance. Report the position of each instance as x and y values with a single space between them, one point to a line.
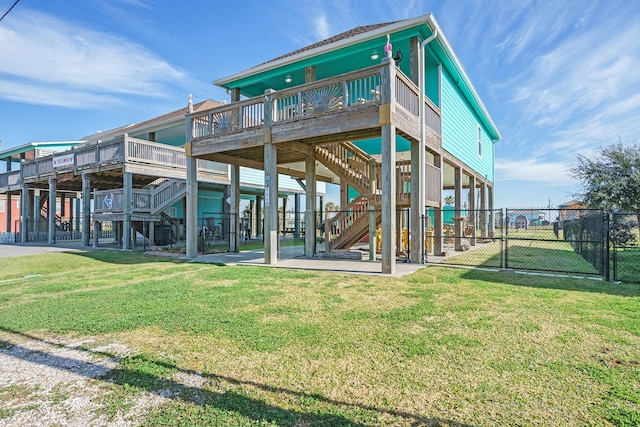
44 383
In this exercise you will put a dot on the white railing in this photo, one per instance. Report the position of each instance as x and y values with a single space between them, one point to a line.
245 114
327 95
9 179
143 200
98 153
167 193
407 94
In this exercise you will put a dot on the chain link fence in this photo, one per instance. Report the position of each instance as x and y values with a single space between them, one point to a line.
625 241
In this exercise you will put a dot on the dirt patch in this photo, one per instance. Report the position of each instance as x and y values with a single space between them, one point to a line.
50 383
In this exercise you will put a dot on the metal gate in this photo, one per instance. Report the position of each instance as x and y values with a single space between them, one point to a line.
545 240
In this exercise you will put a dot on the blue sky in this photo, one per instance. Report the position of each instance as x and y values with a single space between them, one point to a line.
558 77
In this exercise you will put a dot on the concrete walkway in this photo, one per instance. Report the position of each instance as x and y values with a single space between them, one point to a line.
289 257
256 258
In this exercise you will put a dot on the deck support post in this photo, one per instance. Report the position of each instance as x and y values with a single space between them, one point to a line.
387 97
234 209
36 214
418 199
483 210
270 204
310 205
296 215
472 209
86 208
491 225
78 214
127 201
259 229
51 212
270 185
24 213
8 211
191 199
438 247
457 226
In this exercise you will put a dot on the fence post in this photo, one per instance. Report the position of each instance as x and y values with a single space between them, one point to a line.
506 238
607 242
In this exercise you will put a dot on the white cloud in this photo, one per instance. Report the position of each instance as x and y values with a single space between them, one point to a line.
54 62
531 170
321 26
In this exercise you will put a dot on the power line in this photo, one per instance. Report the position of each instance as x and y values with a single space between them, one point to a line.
7 12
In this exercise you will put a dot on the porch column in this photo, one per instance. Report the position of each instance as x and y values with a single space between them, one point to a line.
24 213
388 133
457 223
438 243
86 209
310 205
51 212
472 209
270 186
234 209
127 200
8 209
296 215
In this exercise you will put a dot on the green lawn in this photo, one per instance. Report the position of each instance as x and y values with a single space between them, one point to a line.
273 347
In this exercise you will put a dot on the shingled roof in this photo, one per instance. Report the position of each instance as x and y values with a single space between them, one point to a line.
345 35
174 115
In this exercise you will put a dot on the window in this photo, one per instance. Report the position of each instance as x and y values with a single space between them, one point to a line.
1 205
479 141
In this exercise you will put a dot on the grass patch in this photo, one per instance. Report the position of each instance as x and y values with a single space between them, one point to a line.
259 346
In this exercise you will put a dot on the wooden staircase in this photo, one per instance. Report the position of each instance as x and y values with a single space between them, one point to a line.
350 225
362 172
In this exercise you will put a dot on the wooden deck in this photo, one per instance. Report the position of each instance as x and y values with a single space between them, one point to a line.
107 161
344 108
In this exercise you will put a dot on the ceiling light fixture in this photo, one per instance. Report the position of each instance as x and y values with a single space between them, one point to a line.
375 56
287 80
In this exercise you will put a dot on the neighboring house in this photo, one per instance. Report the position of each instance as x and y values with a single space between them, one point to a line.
127 176
343 111
572 209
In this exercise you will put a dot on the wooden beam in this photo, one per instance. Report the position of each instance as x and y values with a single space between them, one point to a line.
298 147
224 158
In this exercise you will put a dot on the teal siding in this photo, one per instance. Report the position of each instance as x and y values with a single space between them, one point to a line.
460 130
432 83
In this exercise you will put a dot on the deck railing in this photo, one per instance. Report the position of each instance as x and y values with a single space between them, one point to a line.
312 99
117 150
240 115
10 179
327 95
